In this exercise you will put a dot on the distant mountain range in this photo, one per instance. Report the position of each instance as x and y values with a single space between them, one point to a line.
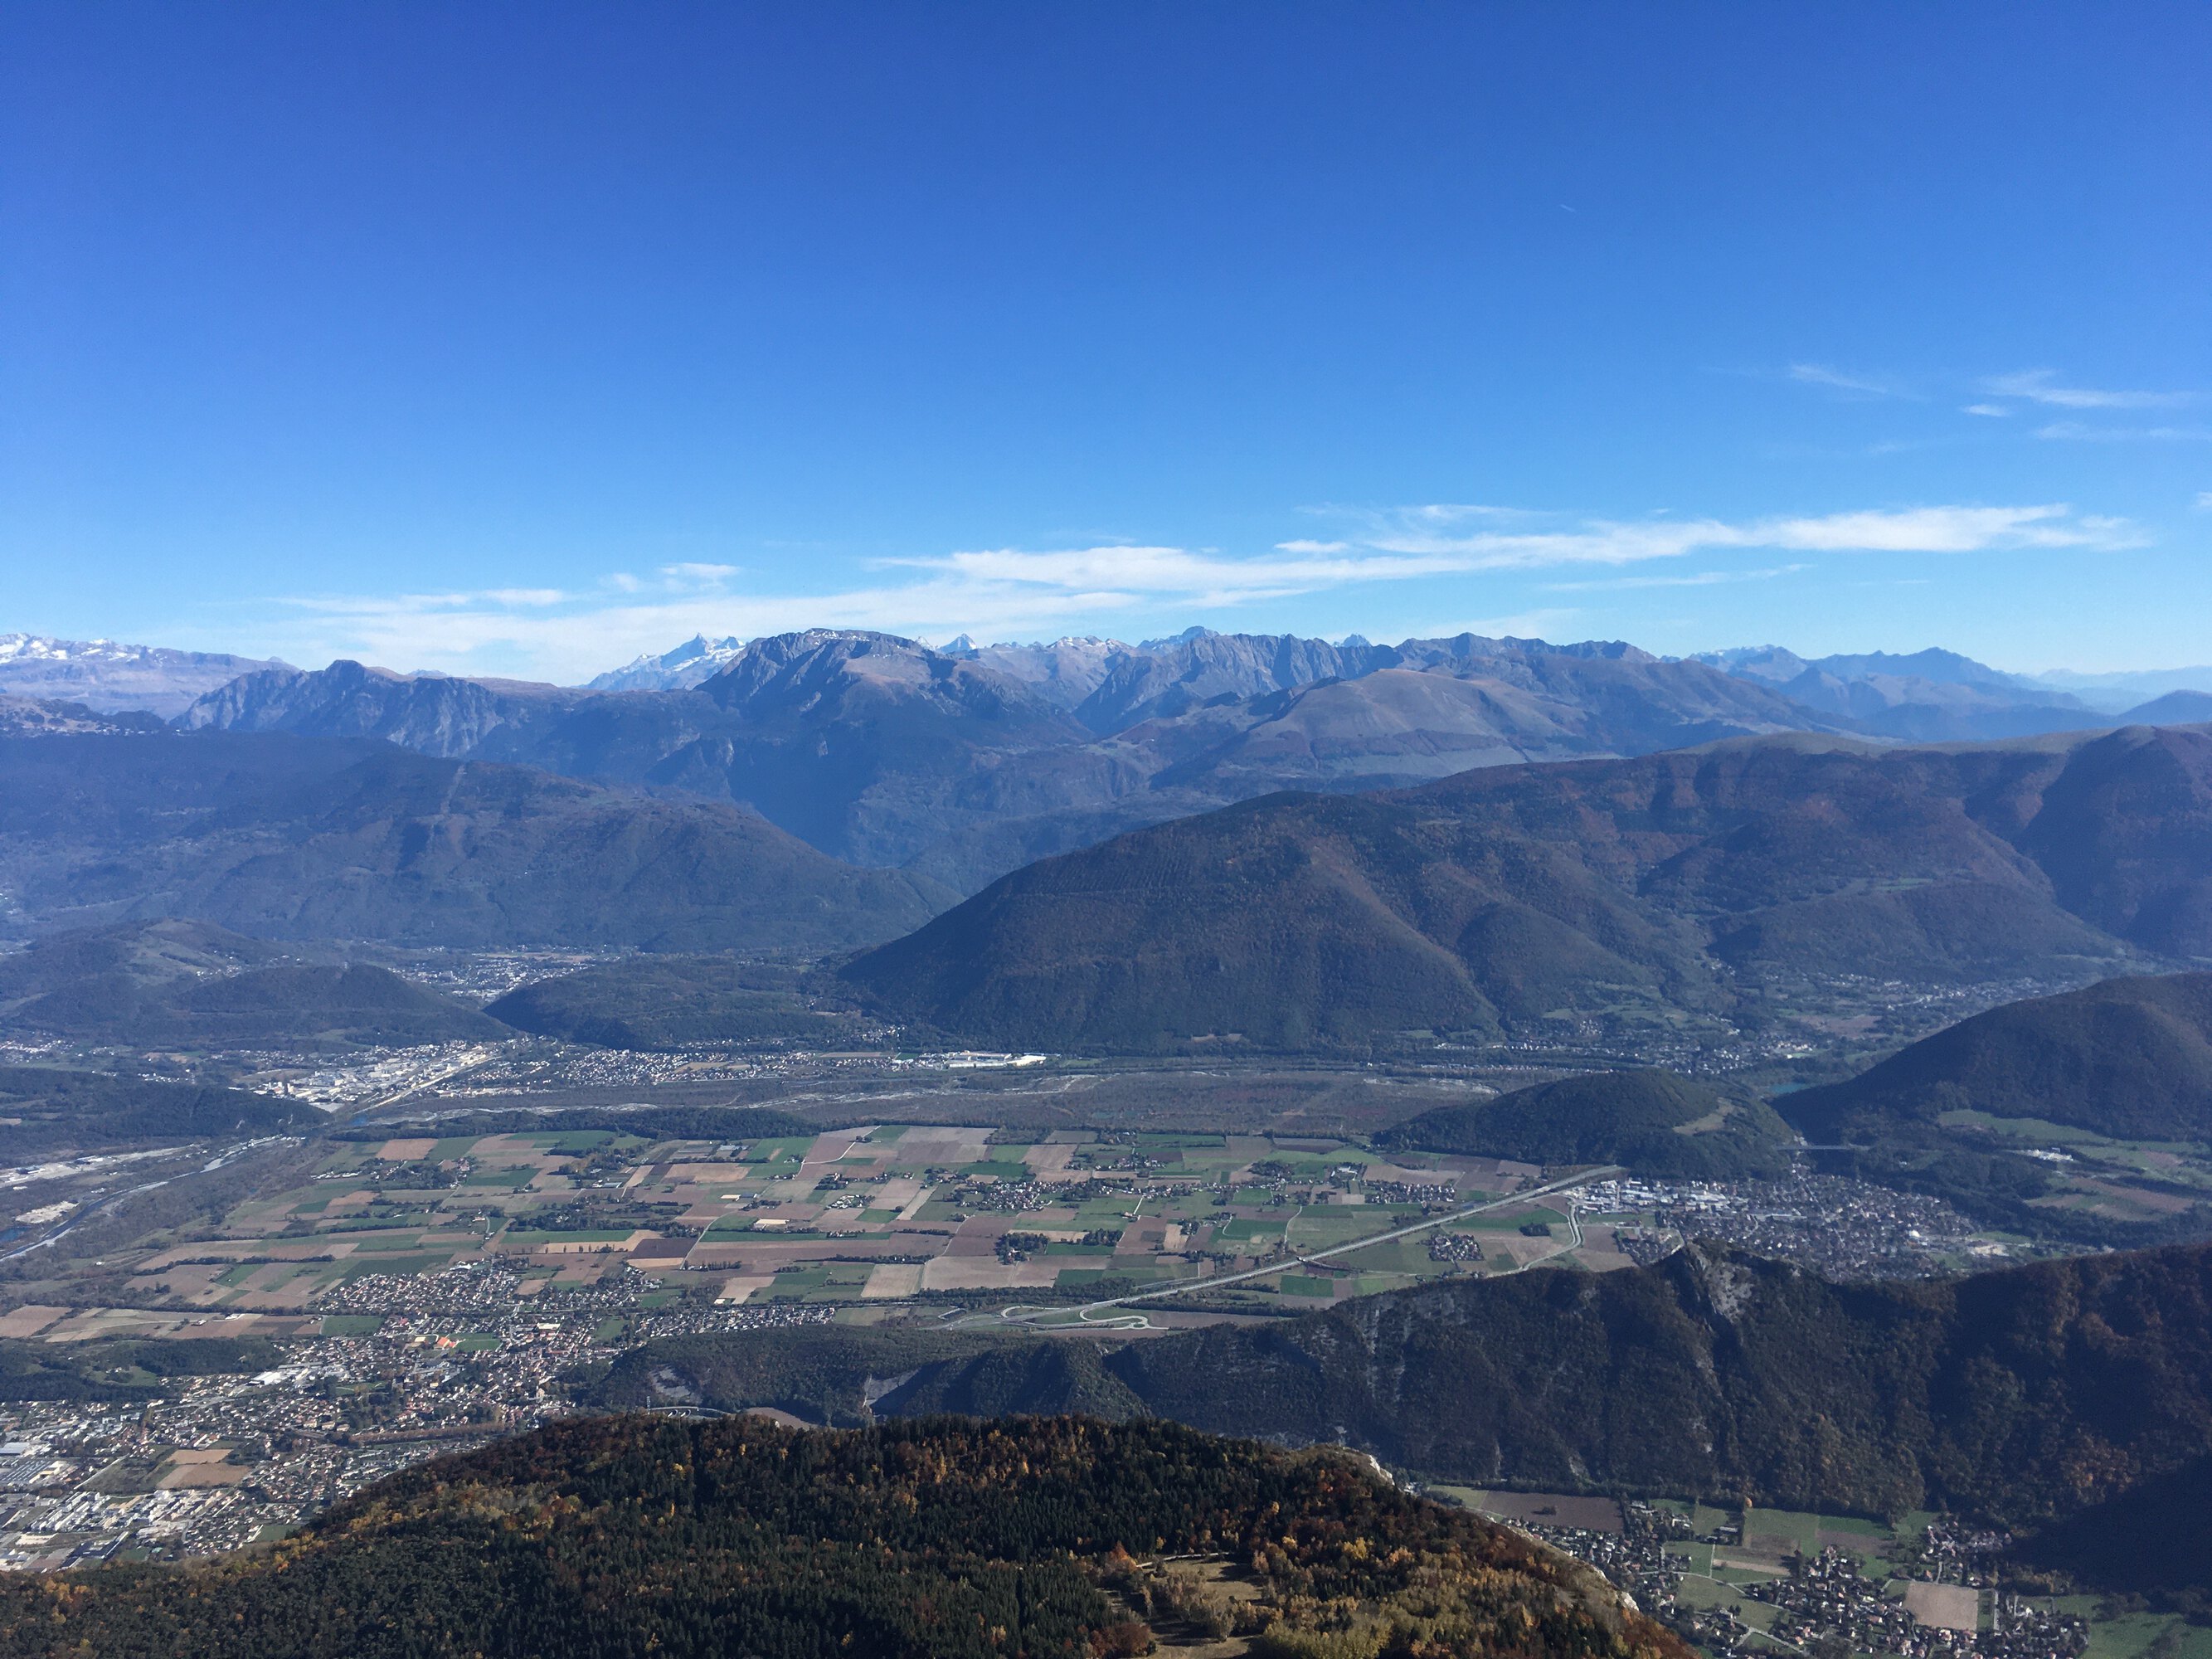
1496 899
1929 697
960 765
31 717
1926 696
964 764
1502 899
110 677
2174 708
2114 693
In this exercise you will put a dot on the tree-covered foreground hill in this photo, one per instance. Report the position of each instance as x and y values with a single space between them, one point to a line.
616 1538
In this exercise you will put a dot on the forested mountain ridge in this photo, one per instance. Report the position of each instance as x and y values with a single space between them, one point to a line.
2018 1395
48 1109
1494 897
935 1539
287 837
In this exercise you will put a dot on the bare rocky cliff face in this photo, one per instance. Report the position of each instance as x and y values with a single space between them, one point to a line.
430 714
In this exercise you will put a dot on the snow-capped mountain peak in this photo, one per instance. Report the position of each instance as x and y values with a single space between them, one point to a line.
111 676
694 662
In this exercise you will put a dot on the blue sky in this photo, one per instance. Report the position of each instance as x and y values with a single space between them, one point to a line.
520 339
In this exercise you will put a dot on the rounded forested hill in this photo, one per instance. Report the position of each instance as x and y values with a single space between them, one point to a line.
189 982
942 1538
44 1110
672 1002
1654 1122
2129 1057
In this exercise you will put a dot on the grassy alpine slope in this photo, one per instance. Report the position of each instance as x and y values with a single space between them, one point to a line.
936 1540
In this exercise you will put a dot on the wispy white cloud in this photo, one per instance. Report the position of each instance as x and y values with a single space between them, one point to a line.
1947 530
1909 530
2081 431
2043 386
1988 412
1699 578
1010 593
1855 385
699 575
516 599
1413 543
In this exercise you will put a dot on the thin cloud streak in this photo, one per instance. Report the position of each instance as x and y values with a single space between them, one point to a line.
1910 530
1702 579
2042 386
2079 432
1836 380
